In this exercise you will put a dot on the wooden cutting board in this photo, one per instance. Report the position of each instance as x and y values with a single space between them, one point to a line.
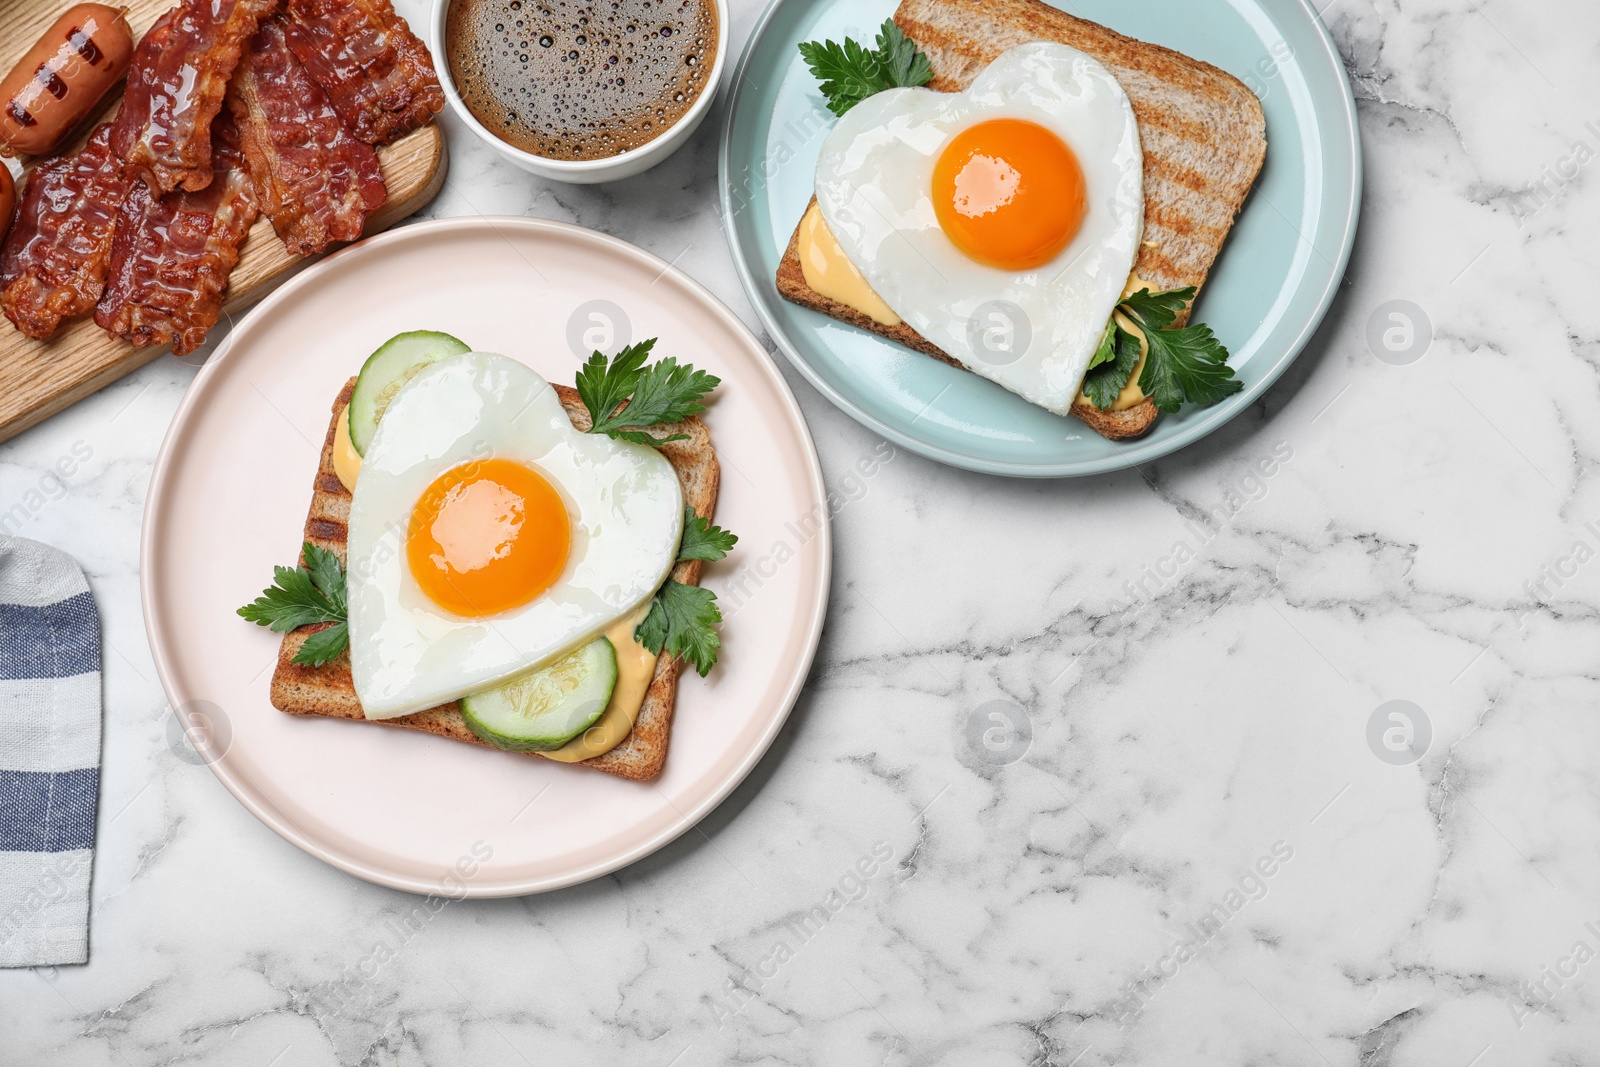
39 378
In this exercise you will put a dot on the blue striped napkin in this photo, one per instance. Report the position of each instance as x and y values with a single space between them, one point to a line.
49 754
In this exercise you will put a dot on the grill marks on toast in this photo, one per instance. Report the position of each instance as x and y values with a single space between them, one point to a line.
1202 131
329 690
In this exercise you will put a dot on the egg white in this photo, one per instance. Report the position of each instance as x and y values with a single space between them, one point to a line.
626 506
874 187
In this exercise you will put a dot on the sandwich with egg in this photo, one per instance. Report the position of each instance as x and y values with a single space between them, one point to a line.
1032 197
499 560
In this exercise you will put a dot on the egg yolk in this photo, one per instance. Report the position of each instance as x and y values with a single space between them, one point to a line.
488 536
1009 193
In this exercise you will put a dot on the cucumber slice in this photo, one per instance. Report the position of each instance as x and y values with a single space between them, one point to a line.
549 707
394 364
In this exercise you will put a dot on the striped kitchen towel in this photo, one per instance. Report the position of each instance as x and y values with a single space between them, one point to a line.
49 754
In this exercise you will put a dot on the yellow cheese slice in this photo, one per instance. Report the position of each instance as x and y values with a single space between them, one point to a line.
829 271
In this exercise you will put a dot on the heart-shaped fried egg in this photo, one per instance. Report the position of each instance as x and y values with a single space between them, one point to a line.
488 537
1002 222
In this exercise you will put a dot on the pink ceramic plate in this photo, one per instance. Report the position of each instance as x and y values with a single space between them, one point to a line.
229 497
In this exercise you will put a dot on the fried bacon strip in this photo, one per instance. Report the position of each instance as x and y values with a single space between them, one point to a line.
172 255
314 180
176 82
54 262
376 72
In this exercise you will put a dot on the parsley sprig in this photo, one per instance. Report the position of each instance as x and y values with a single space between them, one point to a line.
850 73
624 396
1187 365
683 619
311 592
701 540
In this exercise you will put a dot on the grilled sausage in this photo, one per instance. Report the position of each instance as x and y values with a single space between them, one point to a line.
62 78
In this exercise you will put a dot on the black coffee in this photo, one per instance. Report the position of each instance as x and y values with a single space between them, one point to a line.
569 79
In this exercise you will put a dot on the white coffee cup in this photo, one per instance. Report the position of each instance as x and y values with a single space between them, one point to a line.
587 171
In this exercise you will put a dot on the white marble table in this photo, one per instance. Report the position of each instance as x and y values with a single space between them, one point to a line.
1199 858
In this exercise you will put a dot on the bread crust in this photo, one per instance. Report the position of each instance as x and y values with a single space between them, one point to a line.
1202 130
329 690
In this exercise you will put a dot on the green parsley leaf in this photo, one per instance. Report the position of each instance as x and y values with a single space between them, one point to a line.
1104 382
900 61
683 620
849 73
1183 366
326 574
301 596
1106 350
1187 365
324 645
624 396
701 540
1156 311
604 384
296 598
665 392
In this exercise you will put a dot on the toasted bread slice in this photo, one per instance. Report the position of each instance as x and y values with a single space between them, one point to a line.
1203 133
328 690
1117 425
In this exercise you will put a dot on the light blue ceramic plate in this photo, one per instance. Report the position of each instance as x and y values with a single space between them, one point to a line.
1265 297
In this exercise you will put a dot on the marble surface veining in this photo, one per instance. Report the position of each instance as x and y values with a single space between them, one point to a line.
1122 786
